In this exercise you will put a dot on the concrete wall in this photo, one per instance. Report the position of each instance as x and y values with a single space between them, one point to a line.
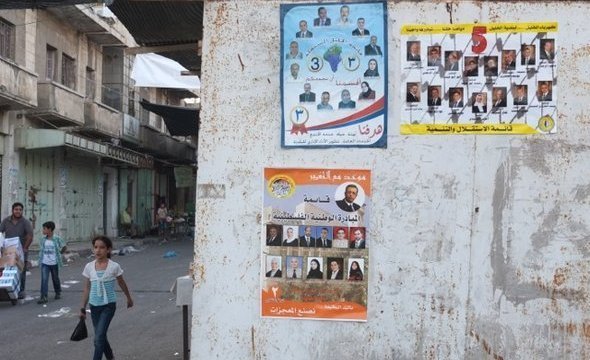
479 244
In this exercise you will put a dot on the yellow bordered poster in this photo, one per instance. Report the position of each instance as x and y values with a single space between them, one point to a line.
497 78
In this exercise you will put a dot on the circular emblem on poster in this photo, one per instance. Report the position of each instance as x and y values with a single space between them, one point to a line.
281 186
299 116
546 123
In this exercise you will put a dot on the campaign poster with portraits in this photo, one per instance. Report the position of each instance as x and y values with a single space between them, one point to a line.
315 244
498 78
334 75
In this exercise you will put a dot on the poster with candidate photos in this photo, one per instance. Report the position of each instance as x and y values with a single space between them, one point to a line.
494 79
315 244
333 75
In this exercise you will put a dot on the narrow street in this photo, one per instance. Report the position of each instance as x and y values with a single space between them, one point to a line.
152 329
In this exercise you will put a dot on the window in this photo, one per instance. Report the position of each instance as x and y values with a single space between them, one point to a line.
51 70
90 84
131 102
6 40
68 71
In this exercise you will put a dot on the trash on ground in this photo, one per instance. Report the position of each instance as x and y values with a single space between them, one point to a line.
170 254
57 313
127 250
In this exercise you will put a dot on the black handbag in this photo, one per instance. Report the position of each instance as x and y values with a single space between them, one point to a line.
80 332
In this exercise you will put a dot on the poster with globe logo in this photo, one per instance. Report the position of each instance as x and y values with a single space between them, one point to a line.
333 75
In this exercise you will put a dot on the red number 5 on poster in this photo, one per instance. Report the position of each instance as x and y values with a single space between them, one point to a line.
479 41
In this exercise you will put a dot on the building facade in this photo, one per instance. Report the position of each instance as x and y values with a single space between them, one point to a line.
77 147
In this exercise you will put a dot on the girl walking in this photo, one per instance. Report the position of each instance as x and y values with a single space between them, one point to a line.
99 291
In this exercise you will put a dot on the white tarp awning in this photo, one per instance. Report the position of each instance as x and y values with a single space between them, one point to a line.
153 70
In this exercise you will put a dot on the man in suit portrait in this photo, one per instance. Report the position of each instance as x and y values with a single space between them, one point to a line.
452 63
456 99
322 19
544 93
434 98
335 270
527 55
358 239
499 97
273 237
347 204
294 270
412 93
303 32
307 95
373 48
434 56
275 268
471 66
294 52
413 51
324 240
306 240
360 28
548 49
508 60
520 97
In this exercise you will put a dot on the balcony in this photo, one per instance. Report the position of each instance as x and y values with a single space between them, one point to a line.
101 120
59 105
18 87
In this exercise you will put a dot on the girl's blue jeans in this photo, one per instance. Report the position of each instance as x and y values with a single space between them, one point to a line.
101 319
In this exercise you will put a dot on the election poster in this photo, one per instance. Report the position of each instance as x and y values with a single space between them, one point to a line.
315 243
498 78
333 75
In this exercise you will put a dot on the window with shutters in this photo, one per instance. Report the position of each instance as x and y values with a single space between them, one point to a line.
68 71
51 70
6 39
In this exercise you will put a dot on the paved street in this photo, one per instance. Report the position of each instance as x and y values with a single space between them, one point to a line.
152 329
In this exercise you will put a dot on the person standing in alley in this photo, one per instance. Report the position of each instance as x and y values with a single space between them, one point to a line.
99 292
16 225
52 246
162 216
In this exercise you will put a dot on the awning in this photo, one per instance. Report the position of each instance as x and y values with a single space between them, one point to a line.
153 70
180 121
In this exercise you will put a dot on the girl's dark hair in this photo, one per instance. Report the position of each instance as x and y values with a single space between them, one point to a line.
106 240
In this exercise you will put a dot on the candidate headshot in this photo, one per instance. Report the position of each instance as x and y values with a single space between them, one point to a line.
498 97
547 49
294 269
335 268
527 54
434 98
544 91
290 236
471 68
340 238
372 69
366 92
323 237
520 95
294 52
348 203
306 238
274 235
355 269
490 67
314 268
273 266
357 238
294 72
360 28
322 19
372 48
456 97
325 102
434 56
479 103
413 51
452 60
412 92
307 95
347 102
303 32
508 60
344 15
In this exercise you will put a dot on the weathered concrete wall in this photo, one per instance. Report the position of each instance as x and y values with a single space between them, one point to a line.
479 244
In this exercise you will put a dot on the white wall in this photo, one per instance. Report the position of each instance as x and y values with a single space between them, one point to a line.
480 243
